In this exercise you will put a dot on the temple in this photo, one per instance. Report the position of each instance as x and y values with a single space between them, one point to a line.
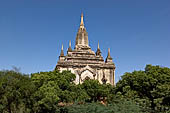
85 63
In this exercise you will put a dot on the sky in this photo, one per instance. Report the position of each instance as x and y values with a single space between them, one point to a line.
136 31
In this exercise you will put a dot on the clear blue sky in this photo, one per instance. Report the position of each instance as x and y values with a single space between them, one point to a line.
32 32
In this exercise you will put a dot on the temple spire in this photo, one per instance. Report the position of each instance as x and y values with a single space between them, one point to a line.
98 52
62 47
108 56
82 21
62 52
69 49
70 43
82 42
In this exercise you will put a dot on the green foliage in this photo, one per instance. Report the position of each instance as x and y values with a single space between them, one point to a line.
150 88
81 94
46 97
95 90
120 107
55 92
52 87
15 92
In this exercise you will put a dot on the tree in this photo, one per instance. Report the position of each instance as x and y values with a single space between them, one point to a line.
95 90
150 87
52 87
122 106
15 92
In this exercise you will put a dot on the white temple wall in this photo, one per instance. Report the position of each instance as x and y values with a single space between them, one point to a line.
109 75
100 76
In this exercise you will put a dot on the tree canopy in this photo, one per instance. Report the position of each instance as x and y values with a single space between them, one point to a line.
56 92
150 88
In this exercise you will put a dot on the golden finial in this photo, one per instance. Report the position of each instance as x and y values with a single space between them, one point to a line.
82 22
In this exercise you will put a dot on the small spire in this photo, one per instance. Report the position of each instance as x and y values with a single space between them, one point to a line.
98 46
82 21
69 49
98 52
108 56
62 52
70 43
62 47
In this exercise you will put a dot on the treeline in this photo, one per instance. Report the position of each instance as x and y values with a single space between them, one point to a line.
54 92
